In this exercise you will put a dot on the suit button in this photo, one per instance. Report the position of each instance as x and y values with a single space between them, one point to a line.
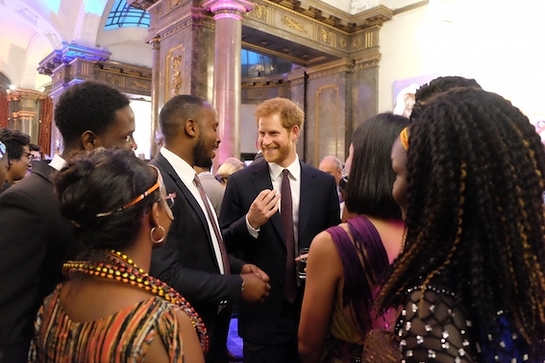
283 257
282 281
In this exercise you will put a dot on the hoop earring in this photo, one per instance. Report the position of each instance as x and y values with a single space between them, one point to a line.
160 240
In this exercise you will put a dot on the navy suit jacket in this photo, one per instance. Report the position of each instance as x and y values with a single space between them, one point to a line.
187 261
318 210
35 240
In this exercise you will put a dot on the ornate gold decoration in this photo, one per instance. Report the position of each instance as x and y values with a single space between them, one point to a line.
112 79
342 42
325 36
176 78
140 85
260 12
356 42
293 24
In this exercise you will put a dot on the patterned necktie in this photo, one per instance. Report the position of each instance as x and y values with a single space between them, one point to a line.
286 213
212 218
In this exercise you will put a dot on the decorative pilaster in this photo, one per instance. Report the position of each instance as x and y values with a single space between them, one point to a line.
227 77
24 108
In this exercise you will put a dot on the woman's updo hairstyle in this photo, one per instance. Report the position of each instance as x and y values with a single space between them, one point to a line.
102 181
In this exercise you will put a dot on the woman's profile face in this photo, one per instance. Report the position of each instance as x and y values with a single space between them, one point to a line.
348 161
399 165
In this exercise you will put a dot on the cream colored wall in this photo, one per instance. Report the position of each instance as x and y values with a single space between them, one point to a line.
499 43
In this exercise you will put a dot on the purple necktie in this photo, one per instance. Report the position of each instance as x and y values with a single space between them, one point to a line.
286 212
212 218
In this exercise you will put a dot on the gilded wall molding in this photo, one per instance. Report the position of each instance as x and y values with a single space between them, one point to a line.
318 117
340 66
173 71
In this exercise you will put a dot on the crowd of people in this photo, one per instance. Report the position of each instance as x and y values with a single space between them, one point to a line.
440 255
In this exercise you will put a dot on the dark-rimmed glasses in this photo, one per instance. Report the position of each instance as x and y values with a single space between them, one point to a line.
29 155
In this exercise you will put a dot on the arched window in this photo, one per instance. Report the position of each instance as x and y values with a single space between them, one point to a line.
123 15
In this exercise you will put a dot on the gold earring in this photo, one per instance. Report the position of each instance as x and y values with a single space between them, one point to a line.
160 240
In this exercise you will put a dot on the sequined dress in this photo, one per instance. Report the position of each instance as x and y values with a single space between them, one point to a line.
438 328
121 337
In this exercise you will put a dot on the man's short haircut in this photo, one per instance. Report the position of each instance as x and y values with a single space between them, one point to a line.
86 106
336 161
442 84
178 110
34 147
15 141
290 114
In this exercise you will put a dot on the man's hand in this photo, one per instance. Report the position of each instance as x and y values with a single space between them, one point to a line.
253 269
255 289
263 207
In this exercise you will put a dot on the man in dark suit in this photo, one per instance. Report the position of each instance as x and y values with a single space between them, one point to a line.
194 260
35 239
269 237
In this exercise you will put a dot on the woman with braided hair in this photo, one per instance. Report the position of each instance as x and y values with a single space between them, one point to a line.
471 276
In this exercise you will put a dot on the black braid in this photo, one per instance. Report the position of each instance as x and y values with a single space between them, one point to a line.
475 216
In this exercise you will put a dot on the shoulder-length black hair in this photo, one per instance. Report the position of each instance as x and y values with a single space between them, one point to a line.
369 188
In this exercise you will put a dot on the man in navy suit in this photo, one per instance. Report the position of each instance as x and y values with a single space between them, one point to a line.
252 222
193 260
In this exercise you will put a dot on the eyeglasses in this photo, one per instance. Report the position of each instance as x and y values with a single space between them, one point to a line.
29 156
141 197
169 199
2 149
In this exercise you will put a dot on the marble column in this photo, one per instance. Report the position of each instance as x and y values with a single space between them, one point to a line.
155 89
227 79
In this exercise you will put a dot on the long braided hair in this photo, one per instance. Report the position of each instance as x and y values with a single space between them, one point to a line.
475 214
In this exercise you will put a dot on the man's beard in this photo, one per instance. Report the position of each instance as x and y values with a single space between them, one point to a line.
201 157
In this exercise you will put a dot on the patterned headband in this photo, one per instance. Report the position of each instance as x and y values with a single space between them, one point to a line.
404 137
2 149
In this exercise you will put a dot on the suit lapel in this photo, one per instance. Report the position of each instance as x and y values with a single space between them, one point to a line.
171 173
262 180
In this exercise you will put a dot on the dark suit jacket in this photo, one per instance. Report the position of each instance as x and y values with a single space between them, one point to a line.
318 210
34 242
187 261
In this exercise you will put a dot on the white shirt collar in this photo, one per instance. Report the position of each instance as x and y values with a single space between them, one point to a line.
294 168
182 168
57 162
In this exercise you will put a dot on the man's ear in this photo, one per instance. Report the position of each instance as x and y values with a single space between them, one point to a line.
89 140
294 132
191 128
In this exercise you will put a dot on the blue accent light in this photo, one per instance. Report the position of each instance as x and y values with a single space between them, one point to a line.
53 5
94 7
123 15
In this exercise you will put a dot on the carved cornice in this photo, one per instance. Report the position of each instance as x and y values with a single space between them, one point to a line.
345 23
67 54
368 59
19 94
272 81
340 66
195 16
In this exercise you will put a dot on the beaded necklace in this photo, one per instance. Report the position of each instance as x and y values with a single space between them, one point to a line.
118 266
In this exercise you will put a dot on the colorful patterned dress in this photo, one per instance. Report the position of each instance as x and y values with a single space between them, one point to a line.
122 337
364 262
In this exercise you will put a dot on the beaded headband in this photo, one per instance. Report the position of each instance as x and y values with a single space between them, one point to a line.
2 149
404 137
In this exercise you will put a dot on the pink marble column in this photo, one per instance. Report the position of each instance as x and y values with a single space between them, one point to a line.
228 17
